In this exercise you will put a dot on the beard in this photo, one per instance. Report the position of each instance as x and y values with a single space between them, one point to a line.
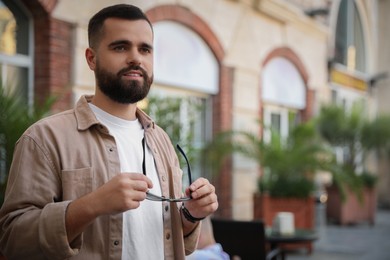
119 90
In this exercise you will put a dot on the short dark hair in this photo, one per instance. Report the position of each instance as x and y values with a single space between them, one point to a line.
122 11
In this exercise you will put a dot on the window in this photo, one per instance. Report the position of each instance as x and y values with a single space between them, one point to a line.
350 45
180 59
334 96
279 120
276 122
283 96
15 60
15 49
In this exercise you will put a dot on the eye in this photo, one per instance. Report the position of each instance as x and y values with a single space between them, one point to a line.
145 50
119 48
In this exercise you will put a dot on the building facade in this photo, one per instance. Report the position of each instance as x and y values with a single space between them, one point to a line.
244 60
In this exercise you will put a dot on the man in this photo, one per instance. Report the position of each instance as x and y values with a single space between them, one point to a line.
81 181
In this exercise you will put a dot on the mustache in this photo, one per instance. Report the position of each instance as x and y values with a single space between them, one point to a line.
130 68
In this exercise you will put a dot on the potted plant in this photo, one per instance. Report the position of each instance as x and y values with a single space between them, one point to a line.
288 166
352 195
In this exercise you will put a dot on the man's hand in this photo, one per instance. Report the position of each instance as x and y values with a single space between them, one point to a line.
123 192
204 200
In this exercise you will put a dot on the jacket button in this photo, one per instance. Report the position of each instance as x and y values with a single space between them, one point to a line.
116 242
111 150
166 207
168 236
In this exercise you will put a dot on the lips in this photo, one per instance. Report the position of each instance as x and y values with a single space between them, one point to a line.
132 73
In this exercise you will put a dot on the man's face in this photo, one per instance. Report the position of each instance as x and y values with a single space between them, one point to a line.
124 60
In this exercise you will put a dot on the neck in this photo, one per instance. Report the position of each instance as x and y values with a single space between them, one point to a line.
124 111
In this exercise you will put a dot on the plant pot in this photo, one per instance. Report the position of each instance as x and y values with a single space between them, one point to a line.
266 208
352 210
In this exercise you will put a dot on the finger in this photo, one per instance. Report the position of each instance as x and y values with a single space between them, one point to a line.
139 186
205 200
198 183
203 207
141 177
202 191
138 195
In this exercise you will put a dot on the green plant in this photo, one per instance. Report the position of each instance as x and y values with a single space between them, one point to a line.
368 179
298 187
351 131
377 135
288 164
15 117
343 128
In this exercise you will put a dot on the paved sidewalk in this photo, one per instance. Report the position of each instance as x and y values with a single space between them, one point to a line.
354 242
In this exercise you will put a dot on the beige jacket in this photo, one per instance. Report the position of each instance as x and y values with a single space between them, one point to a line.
66 156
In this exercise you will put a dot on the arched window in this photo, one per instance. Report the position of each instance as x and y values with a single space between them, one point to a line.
185 69
183 59
283 95
350 45
15 49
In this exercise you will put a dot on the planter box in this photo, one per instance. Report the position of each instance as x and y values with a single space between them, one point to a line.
266 208
351 211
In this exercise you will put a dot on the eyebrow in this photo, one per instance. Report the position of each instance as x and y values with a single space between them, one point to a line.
126 42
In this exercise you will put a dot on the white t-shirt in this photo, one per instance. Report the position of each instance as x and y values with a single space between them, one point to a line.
142 227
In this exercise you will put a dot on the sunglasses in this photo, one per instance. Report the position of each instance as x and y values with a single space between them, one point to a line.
153 197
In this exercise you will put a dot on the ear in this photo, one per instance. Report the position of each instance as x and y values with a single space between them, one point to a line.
91 58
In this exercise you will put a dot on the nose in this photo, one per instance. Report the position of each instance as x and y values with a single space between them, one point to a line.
134 57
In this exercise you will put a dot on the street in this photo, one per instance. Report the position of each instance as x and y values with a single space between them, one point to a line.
353 242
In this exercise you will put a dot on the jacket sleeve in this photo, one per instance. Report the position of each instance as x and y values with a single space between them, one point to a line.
191 240
32 218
